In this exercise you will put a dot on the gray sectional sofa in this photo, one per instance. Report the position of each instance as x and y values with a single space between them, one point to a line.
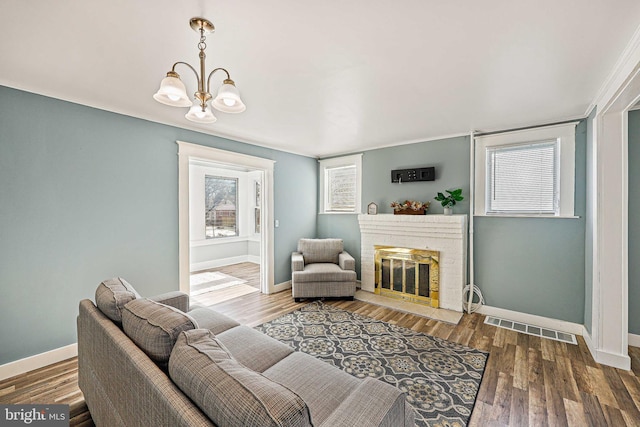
154 362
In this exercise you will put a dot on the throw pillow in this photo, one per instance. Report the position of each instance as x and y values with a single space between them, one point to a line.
112 295
228 392
154 327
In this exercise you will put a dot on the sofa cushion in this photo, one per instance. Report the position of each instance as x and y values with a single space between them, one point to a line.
320 250
154 327
112 295
229 393
322 386
253 349
212 320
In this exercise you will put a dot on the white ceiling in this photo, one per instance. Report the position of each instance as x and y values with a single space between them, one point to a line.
330 77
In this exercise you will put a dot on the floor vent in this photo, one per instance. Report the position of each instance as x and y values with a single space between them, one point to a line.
531 330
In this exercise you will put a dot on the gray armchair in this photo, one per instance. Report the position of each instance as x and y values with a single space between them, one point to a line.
322 268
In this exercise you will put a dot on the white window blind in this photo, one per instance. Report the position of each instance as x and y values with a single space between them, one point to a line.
523 179
341 188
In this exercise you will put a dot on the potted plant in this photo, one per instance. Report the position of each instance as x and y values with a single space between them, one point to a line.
448 202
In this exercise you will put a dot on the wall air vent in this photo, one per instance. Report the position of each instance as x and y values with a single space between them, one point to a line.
537 331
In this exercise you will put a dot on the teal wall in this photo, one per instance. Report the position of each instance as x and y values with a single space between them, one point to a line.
87 195
634 222
451 160
537 265
530 265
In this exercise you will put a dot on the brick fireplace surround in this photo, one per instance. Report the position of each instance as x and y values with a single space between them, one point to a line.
444 233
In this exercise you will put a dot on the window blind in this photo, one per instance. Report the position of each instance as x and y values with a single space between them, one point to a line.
523 178
341 185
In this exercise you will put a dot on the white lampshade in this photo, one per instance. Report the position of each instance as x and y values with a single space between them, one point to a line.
228 99
172 92
196 114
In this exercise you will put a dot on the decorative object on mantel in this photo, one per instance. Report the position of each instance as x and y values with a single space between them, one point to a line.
448 202
410 207
372 209
172 91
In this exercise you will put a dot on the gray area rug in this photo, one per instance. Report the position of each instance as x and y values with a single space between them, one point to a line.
441 378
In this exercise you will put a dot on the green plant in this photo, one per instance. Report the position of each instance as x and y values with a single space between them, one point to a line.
450 200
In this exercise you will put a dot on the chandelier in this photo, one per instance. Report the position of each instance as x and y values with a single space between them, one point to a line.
174 93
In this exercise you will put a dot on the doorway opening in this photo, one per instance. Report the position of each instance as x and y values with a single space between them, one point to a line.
225 210
225 206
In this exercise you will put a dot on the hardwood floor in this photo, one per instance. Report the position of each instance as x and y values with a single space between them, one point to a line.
246 271
528 381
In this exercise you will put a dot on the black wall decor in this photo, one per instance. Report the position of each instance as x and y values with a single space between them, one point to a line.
413 175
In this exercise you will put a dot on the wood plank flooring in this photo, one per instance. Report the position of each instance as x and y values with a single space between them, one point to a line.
529 381
247 271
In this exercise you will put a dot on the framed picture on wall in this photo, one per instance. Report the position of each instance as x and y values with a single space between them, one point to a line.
257 193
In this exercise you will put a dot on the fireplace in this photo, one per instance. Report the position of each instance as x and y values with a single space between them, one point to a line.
407 273
444 234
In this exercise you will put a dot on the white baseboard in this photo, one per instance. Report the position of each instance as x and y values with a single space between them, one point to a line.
37 361
279 287
589 341
620 361
532 319
634 340
198 266
253 258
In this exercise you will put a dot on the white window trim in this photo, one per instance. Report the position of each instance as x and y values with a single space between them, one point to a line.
564 133
352 160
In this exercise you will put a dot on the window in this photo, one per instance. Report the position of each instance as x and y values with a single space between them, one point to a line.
526 173
220 206
340 184
523 178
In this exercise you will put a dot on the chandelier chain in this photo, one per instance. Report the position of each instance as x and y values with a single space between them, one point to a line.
202 45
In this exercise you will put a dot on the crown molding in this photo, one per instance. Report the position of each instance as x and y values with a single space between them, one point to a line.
627 63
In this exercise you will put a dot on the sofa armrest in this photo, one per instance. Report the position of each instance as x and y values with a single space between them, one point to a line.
372 403
346 261
297 262
176 299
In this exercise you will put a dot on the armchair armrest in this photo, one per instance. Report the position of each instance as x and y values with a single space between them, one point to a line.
346 261
297 262
372 403
176 299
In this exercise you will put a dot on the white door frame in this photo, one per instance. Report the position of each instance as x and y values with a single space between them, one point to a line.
188 151
609 337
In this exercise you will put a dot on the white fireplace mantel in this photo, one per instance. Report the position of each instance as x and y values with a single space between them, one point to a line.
444 233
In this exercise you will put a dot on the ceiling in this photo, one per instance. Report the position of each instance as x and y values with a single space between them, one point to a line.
330 77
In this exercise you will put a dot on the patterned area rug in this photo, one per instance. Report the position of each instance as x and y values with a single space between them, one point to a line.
441 378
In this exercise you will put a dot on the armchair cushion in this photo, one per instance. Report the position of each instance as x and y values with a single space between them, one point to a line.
320 250
323 272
